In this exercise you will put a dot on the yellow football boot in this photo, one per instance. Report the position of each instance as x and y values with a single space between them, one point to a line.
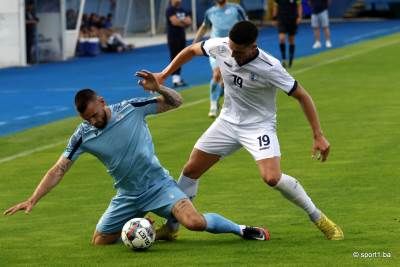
163 233
331 230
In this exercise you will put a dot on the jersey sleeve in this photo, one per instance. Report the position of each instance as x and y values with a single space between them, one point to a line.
145 105
74 149
281 79
241 13
210 46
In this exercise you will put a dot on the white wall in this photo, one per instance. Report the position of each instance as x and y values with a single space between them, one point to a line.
12 33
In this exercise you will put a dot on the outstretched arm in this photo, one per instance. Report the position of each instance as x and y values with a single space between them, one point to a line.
169 98
50 180
200 33
321 144
184 56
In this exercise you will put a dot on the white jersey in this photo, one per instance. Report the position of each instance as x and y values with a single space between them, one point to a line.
250 88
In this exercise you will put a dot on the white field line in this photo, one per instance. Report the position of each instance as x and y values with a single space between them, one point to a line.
330 61
190 104
30 152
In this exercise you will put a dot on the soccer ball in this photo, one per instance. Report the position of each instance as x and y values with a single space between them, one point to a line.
138 234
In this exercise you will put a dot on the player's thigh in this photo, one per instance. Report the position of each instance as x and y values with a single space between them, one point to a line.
199 162
187 215
121 209
162 201
259 140
219 139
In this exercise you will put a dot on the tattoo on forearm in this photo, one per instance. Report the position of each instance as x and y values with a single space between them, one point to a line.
171 97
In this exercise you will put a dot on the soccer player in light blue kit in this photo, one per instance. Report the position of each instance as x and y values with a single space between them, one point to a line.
220 19
119 137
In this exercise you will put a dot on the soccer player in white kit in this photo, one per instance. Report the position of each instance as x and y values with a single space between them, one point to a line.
248 119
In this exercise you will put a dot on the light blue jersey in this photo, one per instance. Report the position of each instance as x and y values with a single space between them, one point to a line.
221 20
124 146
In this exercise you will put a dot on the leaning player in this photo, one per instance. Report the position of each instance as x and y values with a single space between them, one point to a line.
220 19
248 119
119 137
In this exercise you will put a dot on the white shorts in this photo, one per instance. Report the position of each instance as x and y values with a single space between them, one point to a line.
223 138
320 19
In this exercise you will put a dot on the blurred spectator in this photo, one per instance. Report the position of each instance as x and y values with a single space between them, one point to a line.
71 18
96 32
177 20
31 22
320 18
108 23
85 21
287 16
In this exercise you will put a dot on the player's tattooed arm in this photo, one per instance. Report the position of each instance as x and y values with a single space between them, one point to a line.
169 99
49 181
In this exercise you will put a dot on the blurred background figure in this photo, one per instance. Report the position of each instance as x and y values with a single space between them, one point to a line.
31 22
320 18
219 19
177 20
287 16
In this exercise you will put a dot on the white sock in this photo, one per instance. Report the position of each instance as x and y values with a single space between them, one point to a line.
189 186
176 78
291 189
213 105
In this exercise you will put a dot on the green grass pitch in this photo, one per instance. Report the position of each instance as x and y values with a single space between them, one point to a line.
356 90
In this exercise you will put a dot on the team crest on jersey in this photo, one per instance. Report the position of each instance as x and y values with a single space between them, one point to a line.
119 117
253 77
221 49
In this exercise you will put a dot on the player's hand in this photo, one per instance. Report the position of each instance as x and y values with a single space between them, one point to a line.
298 20
320 149
275 23
149 82
26 205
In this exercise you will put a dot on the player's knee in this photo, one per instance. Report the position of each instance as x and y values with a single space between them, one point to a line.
194 222
216 76
102 239
272 178
191 171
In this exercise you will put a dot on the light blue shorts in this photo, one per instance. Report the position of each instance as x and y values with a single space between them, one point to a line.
213 62
124 206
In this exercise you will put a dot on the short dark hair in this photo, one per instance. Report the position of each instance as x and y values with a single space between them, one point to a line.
82 99
243 33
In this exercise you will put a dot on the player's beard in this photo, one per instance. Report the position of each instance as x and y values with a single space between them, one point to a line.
102 124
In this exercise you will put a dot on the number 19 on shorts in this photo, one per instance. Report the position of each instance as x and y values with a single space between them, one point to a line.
264 141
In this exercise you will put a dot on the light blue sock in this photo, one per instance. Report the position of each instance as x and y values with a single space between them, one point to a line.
217 224
214 91
220 91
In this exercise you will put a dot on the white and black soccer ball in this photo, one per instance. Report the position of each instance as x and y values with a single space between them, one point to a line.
138 234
